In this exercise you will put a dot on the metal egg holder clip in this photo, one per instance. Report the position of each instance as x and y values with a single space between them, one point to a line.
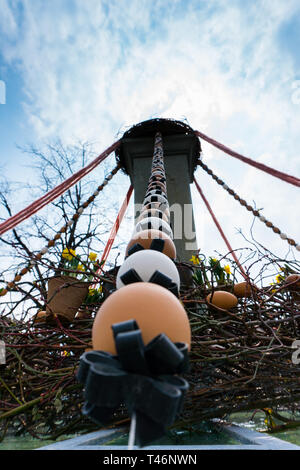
138 370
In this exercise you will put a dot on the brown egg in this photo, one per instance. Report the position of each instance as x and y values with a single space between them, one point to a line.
222 299
83 314
155 309
40 317
293 278
155 178
145 238
243 289
158 184
155 188
159 168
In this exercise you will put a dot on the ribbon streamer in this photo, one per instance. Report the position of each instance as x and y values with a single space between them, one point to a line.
141 377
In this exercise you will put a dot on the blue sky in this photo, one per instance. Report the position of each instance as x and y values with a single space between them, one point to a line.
88 70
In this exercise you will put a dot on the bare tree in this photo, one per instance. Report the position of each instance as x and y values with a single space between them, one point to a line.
51 166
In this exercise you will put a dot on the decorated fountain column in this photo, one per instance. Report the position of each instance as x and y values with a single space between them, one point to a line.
180 148
141 334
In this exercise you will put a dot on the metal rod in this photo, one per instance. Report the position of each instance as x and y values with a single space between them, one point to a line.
131 438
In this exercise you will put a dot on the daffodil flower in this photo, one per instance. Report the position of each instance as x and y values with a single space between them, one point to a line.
93 256
80 267
195 260
68 254
227 269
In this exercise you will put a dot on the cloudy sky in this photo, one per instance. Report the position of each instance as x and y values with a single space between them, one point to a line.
90 69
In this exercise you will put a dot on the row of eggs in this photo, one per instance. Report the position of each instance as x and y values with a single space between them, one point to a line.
155 219
146 262
155 308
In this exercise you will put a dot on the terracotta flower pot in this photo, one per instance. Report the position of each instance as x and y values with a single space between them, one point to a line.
65 296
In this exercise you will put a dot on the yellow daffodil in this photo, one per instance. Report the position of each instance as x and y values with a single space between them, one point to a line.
80 267
68 254
195 260
272 290
214 260
93 256
279 278
227 269
92 291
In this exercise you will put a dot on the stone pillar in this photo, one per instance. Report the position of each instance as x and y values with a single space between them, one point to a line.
179 151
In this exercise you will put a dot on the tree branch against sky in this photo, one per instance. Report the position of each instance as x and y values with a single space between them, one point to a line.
51 165
97 67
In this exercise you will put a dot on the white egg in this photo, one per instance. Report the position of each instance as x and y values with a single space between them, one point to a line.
144 264
159 206
154 223
153 213
152 192
155 198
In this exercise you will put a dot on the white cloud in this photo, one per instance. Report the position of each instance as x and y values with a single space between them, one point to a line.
93 68
8 24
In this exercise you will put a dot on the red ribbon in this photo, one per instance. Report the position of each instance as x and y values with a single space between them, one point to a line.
221 231
55 192
271 171
114 231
